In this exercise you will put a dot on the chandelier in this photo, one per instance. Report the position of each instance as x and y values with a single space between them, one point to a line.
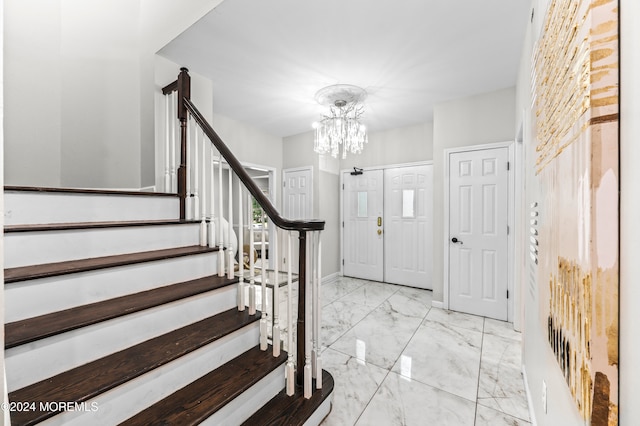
341 126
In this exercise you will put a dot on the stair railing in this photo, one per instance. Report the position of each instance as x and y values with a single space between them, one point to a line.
198 178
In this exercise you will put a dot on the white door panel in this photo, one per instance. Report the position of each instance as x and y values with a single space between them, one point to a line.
478 209
408 207
298 196
363 237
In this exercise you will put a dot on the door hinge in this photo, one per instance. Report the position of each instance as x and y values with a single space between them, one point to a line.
284 183
342 262
507 294
508 165
507 229
343 223
343 186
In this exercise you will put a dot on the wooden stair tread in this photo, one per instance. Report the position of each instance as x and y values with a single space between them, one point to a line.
23 273
92 191
91 379
292 410
200 399
31 329
93 225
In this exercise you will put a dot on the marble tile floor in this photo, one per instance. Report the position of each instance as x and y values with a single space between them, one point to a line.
396 360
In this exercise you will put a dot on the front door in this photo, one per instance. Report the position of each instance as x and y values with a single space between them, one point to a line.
408 225
478 242
363 236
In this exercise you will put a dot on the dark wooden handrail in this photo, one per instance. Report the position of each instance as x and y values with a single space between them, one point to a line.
249 183
183 86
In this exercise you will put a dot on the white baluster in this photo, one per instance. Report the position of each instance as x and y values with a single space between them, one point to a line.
307 372
317 310
203 176
196 170
220 235
231 261
252 263
168 118
290 368
241 302
188 205
263 280
273 247
212 224
312 295
174 129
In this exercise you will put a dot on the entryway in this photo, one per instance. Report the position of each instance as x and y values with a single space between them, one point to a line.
388 224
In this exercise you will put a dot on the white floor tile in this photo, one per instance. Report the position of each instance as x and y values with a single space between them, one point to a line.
457 319
445 357
339 317
371 294
489 417
355 384
398 361
407 402
379 338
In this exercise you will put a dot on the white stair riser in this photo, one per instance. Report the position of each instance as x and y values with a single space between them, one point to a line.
130 398
32 362
242 407
45 295
321 412
23 208
34 248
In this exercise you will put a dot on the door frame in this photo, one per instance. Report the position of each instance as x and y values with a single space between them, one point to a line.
510 219
341 189
272 176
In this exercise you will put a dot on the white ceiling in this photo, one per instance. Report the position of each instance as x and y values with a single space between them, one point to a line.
268 58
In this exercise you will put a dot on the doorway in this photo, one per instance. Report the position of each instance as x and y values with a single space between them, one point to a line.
388 224
477 245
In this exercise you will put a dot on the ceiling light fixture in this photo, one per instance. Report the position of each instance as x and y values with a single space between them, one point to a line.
341 126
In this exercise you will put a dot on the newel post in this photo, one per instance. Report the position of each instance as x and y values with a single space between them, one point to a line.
184 91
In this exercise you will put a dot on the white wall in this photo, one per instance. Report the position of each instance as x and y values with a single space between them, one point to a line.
395 146
4 416
33 75
249 144
630 211
476 120
80 92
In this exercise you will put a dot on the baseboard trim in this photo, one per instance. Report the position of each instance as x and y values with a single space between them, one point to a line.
532 414
330 278
437 304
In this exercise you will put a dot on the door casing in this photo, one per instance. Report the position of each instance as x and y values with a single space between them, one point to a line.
510 219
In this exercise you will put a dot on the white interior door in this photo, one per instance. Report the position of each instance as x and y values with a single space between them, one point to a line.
363 236
478 242
297 193
298 198
408 225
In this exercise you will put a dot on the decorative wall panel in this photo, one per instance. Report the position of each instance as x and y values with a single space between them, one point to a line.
575 93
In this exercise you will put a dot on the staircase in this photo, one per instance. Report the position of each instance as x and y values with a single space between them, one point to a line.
116 314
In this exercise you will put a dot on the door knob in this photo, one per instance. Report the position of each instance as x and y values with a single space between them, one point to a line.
455 240
379 231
